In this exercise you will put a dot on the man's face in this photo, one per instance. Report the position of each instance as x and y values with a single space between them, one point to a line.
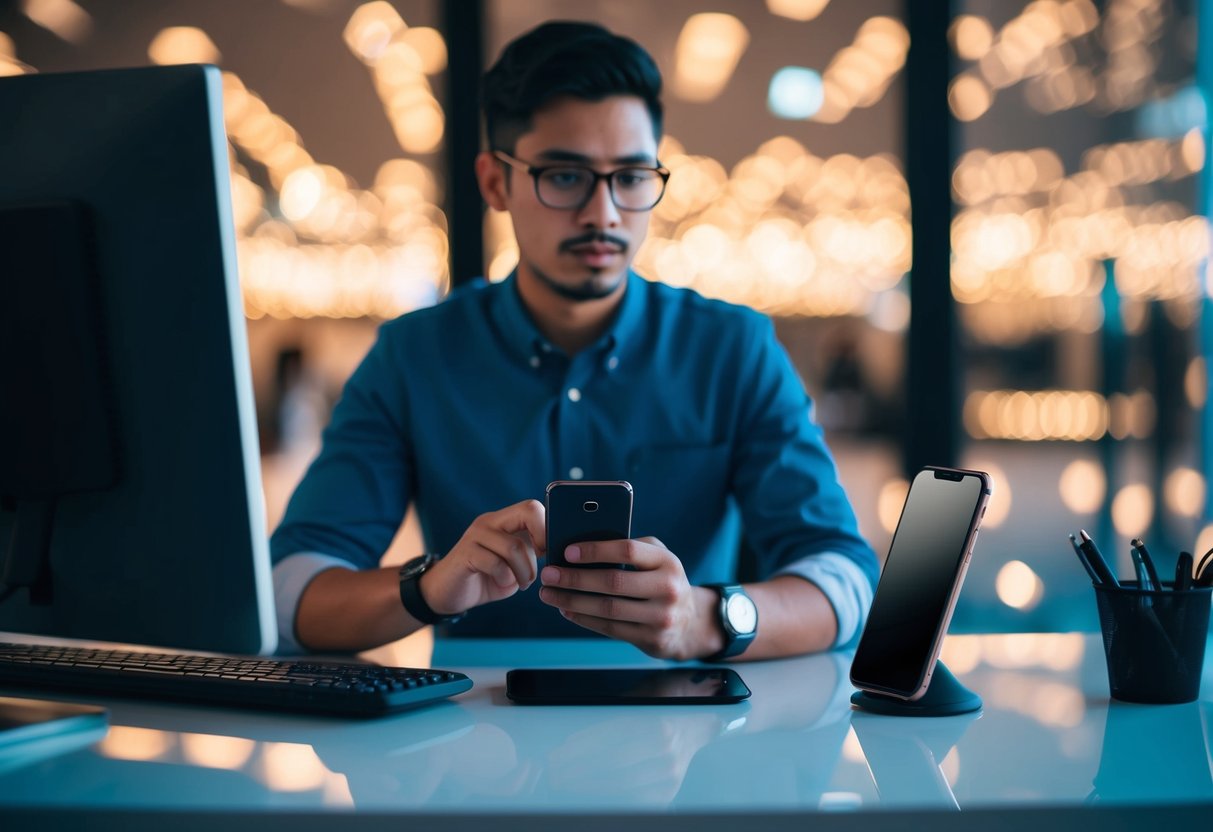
580 253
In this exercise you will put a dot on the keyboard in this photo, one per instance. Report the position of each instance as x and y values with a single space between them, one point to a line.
246 682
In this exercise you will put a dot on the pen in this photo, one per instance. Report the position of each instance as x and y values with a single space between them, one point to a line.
1096 559
1082 557
1198 575
1144 581
1204 572
1139 546
1183 572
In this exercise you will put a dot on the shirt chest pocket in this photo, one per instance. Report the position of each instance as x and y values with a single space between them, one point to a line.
675 484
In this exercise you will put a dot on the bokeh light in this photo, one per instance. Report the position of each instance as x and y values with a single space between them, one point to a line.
889 503
801 10
969 97
127 742
999 506
1018 586
972 36
1082 486
1184 492
371 28
708 49
291 767
183 45
1132 510
795 93
65 18
215 751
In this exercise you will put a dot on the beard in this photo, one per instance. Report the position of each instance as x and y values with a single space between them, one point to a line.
595 287
599 284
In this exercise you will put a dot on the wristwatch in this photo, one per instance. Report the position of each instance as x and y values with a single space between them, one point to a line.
410 591
738 617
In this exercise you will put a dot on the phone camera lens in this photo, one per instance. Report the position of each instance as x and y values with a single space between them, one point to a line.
590 505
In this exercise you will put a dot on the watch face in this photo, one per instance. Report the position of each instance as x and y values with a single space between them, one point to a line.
415 567
742 614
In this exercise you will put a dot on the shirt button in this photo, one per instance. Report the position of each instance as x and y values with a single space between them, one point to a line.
612 362
535 361
576 473
574 394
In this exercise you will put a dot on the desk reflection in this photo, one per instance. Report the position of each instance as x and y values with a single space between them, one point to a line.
790 737
1043 739
790 744
904 755
1153 752
477 751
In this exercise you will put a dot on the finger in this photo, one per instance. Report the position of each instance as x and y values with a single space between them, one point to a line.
610 607
528 516
488 562
515 551
623 630
653 584
648 553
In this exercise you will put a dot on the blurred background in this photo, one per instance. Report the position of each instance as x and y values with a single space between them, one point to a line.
988 250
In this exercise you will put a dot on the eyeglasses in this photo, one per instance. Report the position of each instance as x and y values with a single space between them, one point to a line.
565 187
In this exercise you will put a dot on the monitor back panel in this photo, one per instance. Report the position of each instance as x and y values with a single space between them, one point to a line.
175 553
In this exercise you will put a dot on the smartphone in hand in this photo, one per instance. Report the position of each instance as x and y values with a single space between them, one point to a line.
920 582
580 511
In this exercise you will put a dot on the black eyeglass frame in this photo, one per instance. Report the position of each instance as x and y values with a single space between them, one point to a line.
535 171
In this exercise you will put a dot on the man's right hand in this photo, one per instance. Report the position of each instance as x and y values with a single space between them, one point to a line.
495 558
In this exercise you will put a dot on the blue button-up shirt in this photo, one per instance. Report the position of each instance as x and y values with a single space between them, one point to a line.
464 408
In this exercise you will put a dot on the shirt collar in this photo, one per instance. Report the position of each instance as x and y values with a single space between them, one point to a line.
518 332
524 340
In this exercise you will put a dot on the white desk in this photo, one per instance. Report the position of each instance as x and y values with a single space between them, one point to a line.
1047 745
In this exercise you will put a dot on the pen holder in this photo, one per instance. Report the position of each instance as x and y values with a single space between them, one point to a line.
1154 641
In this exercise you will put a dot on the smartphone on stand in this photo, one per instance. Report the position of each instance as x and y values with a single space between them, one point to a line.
920 582
580 511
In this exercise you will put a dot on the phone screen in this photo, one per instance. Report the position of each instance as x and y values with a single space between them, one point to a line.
926 559
677 686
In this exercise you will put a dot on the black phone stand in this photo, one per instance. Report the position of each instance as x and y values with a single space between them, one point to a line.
945 696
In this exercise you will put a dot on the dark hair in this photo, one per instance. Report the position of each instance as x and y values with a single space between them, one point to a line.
581 60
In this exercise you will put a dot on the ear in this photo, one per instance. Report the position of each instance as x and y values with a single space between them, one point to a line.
490 175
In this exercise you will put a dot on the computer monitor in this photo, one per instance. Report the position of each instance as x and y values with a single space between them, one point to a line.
131 507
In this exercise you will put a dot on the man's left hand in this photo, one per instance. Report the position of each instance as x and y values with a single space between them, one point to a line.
653 605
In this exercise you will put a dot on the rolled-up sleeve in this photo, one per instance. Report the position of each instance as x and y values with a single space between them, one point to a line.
844 585
291 577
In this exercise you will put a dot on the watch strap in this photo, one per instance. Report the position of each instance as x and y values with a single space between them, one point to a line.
410 591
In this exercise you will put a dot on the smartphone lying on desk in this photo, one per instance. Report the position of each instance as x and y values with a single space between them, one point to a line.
613 686
920 582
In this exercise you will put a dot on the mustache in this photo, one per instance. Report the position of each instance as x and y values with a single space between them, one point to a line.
593 237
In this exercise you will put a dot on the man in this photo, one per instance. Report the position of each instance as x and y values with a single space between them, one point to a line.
575 368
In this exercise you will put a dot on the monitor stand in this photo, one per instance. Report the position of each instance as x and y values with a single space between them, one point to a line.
945 696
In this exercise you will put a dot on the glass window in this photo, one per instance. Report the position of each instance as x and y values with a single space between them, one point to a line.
1077 258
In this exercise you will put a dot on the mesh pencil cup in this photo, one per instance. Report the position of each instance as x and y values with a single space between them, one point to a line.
1154 641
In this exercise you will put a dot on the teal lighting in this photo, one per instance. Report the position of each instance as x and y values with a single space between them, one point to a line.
795 93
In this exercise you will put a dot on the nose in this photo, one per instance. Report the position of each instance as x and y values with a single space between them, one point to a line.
599 210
